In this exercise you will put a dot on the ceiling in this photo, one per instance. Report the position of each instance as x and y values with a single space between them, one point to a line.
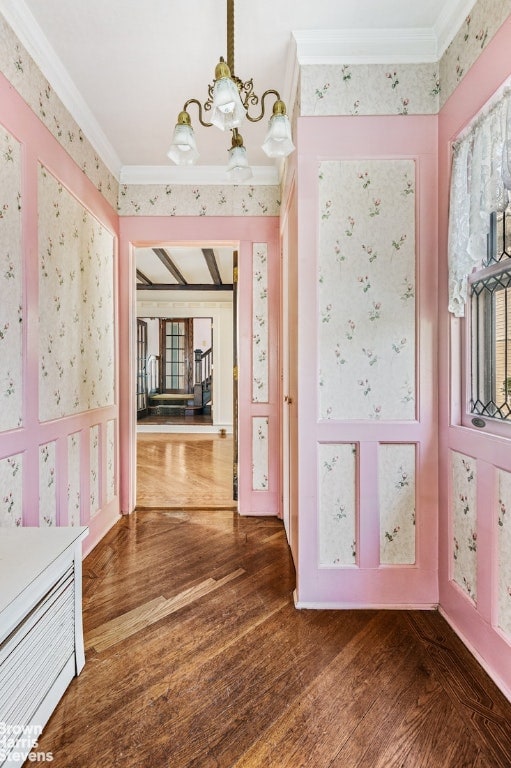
124 68
183 274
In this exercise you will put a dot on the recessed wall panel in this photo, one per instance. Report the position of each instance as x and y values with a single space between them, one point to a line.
366 290
110 460
396 486
260 388
73 479
504 552
337 504
464 523
76 305
11 282
94 470
260 453
11 491
47 485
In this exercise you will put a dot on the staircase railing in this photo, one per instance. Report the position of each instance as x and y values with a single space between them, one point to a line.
203 375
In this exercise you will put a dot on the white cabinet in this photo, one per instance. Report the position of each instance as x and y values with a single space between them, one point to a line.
41 636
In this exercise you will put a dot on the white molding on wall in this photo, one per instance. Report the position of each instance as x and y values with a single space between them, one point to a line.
366 46
264 175
29 33
450 22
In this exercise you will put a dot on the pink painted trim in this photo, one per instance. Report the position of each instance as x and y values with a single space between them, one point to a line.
39 146
350 138
476 624
241 232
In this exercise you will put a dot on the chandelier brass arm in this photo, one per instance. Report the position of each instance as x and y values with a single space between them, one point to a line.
199 105
250 97
262 113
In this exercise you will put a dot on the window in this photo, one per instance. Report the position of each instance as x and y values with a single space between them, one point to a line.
177 355
490 322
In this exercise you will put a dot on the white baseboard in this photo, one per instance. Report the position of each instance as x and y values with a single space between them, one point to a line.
342 606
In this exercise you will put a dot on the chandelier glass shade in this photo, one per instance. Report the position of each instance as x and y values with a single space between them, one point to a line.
278 141
183 150
227 106
227 110
238 168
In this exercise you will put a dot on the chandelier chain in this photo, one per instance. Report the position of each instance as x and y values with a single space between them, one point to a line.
230 35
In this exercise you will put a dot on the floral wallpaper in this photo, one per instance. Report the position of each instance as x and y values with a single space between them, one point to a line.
260 323
337 503
366 289
369 89
47 485
484 20
396 483
464 523
200 200
260 453
76 305
94 470
504 550
110 460
73 479
401 89
11 282
11 487
22 72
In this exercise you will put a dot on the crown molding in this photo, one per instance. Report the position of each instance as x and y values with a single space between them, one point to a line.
263 175
366 46
31 37
450 22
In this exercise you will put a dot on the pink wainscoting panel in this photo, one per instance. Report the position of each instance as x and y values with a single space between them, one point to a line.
368 583
242 233
476 624
39 146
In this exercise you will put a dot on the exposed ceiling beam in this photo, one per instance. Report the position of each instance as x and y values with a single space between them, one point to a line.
187 287
210 257
143 278
169 264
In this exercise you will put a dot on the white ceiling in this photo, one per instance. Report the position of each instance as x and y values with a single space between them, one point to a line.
124 68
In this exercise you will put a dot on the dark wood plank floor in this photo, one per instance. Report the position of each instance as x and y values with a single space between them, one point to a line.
196 656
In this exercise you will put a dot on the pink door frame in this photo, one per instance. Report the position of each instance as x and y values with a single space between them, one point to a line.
241 233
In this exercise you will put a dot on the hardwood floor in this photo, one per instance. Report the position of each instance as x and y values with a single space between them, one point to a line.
196 656
178 471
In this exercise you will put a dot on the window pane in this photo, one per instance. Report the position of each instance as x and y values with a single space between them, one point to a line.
491 346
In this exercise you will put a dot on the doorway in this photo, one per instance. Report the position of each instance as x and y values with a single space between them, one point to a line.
175 371
256 237
185 433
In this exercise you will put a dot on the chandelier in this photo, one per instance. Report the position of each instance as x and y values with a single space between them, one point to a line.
228 103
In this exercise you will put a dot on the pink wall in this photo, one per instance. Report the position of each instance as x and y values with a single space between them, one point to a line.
368 583
241 232
39 146
475 623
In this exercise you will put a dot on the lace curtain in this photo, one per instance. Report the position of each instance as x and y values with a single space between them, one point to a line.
480 184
